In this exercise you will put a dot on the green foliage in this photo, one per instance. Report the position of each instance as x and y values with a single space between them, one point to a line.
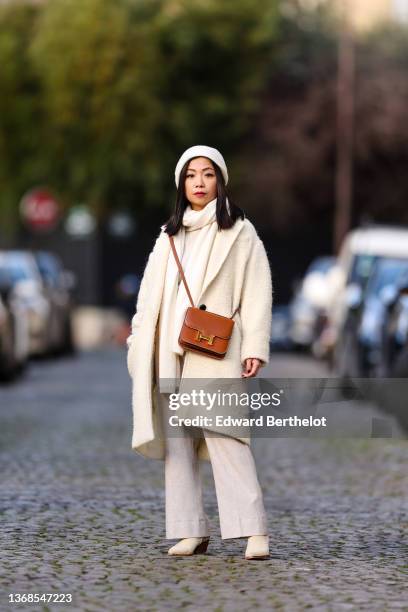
20 114
95 59
100 97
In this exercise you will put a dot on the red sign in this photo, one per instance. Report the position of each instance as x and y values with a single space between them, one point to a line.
39 209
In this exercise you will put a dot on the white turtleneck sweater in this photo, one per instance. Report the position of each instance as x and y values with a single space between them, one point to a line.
193 243
191 237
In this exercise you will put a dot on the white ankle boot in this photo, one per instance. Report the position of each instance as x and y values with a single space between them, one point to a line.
190 546
257 547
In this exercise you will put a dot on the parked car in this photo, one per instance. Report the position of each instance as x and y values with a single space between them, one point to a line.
347 281
8 363
28 290
14 336
371 315
394 354
393 398
57 288
309 302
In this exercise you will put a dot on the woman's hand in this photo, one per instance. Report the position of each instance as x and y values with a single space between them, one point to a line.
252 366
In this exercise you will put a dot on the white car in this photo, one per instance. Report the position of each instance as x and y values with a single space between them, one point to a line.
309 301
347 280
57 283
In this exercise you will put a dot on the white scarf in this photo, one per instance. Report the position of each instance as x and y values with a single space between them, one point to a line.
175 299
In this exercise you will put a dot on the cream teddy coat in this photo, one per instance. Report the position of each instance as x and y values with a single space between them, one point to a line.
238 274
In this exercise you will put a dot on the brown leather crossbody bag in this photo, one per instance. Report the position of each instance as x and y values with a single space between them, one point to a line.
203 331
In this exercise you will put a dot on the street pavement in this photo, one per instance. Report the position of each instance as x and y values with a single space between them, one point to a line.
82 514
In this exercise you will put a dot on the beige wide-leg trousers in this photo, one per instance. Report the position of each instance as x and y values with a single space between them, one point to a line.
239 495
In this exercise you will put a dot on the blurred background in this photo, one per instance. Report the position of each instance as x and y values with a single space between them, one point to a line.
307 101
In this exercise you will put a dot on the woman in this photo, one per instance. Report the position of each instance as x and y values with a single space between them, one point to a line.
226 268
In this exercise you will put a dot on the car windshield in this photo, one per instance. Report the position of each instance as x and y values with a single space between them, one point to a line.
386 272
361 269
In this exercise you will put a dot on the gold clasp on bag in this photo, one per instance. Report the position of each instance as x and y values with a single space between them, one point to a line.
200 336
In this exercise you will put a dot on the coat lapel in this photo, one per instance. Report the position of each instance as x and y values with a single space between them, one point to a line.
222 245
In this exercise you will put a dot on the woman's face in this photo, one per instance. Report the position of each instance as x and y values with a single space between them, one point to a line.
201 182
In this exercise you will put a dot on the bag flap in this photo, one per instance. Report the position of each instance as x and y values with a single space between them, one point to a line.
209 323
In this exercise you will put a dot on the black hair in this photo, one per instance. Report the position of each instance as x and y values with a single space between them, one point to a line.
225 220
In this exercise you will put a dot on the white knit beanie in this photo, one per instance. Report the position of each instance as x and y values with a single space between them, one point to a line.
202 151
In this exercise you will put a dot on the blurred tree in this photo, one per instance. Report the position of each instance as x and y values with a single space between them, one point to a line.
217 55
290 152
98 66
381 138
118 89
20 111
100 97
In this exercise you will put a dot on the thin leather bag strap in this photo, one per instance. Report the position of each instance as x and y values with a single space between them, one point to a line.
176 257
173 248
235 312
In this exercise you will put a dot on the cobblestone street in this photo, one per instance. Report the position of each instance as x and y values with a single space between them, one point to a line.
81 513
